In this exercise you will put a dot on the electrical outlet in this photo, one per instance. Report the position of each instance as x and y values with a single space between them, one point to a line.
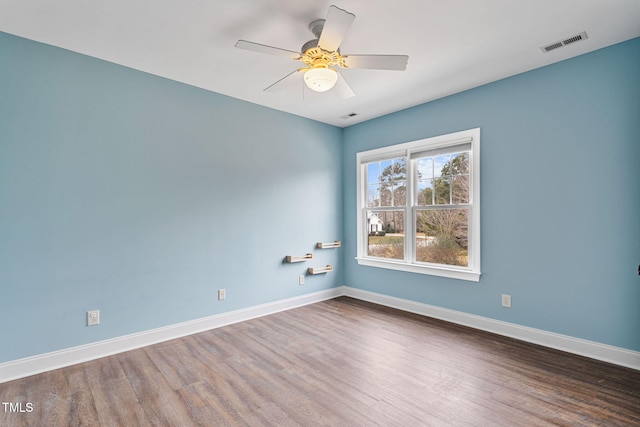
301 279
222 294
93 317
506 301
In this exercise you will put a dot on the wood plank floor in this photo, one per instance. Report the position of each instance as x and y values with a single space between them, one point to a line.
340 362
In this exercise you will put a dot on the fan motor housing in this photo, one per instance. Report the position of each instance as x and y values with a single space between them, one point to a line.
316 57
309 45
316 27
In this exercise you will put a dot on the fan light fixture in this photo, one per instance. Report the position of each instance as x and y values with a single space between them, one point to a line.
322 58
320 79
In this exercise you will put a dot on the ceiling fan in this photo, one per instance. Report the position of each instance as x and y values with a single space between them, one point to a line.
321 56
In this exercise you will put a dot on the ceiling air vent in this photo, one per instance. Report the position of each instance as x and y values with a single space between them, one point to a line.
562 43
348 116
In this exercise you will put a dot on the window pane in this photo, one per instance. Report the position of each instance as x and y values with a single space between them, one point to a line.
459 164
460 189
442 191
386 234
386 195
442 236
393 170
399 193
425 168
425 192
373 195
373 172
385 165
440 162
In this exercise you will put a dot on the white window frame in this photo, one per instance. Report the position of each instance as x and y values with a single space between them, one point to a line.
472 271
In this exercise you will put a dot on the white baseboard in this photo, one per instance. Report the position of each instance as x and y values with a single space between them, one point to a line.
21 368
591 349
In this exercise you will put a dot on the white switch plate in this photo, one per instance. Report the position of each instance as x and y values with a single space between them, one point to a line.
222 294
301 280
93 317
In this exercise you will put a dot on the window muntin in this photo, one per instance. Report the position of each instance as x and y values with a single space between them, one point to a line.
420 211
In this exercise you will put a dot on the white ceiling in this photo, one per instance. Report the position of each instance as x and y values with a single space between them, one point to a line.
453 45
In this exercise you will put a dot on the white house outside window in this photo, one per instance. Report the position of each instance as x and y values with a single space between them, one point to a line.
419 206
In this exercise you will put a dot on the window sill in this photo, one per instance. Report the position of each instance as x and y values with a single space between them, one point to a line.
472 276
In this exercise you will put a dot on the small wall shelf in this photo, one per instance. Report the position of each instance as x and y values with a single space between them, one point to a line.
320 270
330 245
297 258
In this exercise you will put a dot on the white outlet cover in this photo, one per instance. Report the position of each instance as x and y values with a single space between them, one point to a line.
93 317
506 301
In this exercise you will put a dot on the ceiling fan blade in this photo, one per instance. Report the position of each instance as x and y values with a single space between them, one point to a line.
342 88
263 48
335 28
377 62
283 82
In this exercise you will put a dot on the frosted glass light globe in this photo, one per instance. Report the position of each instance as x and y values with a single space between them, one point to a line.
320 79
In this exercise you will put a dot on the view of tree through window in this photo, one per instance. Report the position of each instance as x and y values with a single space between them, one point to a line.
419 206
387 188
441 230
442 182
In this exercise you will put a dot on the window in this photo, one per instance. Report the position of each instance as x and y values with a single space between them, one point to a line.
419 206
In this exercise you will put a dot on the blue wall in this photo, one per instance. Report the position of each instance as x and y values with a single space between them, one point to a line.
139 196
560 196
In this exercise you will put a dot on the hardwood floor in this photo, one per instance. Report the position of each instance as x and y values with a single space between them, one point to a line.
341 362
